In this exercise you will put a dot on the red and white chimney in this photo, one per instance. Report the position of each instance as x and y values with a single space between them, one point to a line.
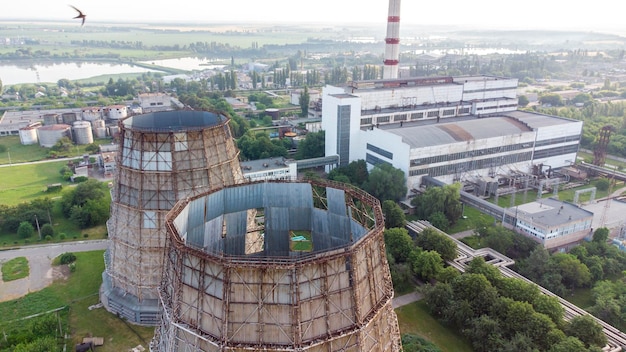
392 46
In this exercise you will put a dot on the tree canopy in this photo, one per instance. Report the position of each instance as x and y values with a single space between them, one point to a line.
385 182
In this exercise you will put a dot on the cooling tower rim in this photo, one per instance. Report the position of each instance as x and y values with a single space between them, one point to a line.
175 121
277 261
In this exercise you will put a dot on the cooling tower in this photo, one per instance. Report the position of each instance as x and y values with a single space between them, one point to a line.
309 275
392 41
163 157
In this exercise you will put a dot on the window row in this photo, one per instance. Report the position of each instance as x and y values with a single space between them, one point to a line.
470 154
466 166
380 151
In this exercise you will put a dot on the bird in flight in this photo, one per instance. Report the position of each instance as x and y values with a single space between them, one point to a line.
80 15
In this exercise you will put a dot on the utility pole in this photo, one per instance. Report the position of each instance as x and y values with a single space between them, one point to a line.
38 228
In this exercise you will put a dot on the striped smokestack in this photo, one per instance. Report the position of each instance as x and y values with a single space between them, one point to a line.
392 46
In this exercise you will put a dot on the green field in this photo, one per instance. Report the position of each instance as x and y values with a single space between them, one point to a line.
23 183
78 292
414 318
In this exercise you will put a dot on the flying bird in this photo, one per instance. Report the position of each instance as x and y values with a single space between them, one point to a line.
80 15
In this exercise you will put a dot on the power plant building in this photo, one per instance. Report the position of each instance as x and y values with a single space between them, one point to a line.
310 275
163 157
450 128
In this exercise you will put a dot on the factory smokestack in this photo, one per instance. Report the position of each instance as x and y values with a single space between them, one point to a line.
392 46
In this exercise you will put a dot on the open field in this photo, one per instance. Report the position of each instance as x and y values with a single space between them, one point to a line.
414 318
78 291
23 183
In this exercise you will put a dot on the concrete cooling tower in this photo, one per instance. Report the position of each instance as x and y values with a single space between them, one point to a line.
163 157
307 273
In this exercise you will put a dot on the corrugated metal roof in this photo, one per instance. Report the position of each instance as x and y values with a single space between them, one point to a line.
446 133
535 120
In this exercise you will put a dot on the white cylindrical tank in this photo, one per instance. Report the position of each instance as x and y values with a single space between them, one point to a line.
51 119
114 131
28 134
50 135
82 132
117 112
97 123
100 132
92 113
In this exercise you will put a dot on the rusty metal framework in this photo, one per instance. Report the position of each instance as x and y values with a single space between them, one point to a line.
337 297
163 157
599 152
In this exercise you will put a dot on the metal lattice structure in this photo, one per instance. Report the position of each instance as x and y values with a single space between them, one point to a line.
163 157
599 152
217 295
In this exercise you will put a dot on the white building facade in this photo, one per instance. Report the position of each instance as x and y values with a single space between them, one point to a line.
453 129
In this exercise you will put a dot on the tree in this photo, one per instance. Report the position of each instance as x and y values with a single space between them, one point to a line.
601 235
551 99
574 273
587 330
312 146
385 182
427 265
88 190
431 239
569 344
522 101
398 243
394 215
446 200
415 343
25 230
305 99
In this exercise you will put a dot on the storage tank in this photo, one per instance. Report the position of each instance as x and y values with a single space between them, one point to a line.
92 113
82 132
117 112
100 132
51 119
28 134
97 123
69 118
50 135
274 113
114 131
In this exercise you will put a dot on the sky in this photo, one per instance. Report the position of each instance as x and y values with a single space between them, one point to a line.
597 16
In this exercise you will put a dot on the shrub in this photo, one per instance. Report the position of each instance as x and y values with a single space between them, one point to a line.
85 235
25 229
67 258
47 230
48 238
72 267
62 236
80 179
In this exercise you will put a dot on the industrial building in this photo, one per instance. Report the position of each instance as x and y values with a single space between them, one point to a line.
163 157
552 223
451 128
310 274
277 168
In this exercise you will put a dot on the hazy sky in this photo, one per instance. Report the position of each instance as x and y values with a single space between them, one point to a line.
597 15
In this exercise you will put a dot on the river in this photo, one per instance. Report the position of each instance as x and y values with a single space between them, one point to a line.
54 71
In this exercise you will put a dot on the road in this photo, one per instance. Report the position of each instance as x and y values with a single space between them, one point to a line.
47 160
40 264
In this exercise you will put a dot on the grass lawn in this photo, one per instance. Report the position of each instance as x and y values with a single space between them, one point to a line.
23 183
19 153
302 241
78 292
414 318
15 269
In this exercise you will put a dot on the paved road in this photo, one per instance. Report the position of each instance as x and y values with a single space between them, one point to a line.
406 299
40 263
